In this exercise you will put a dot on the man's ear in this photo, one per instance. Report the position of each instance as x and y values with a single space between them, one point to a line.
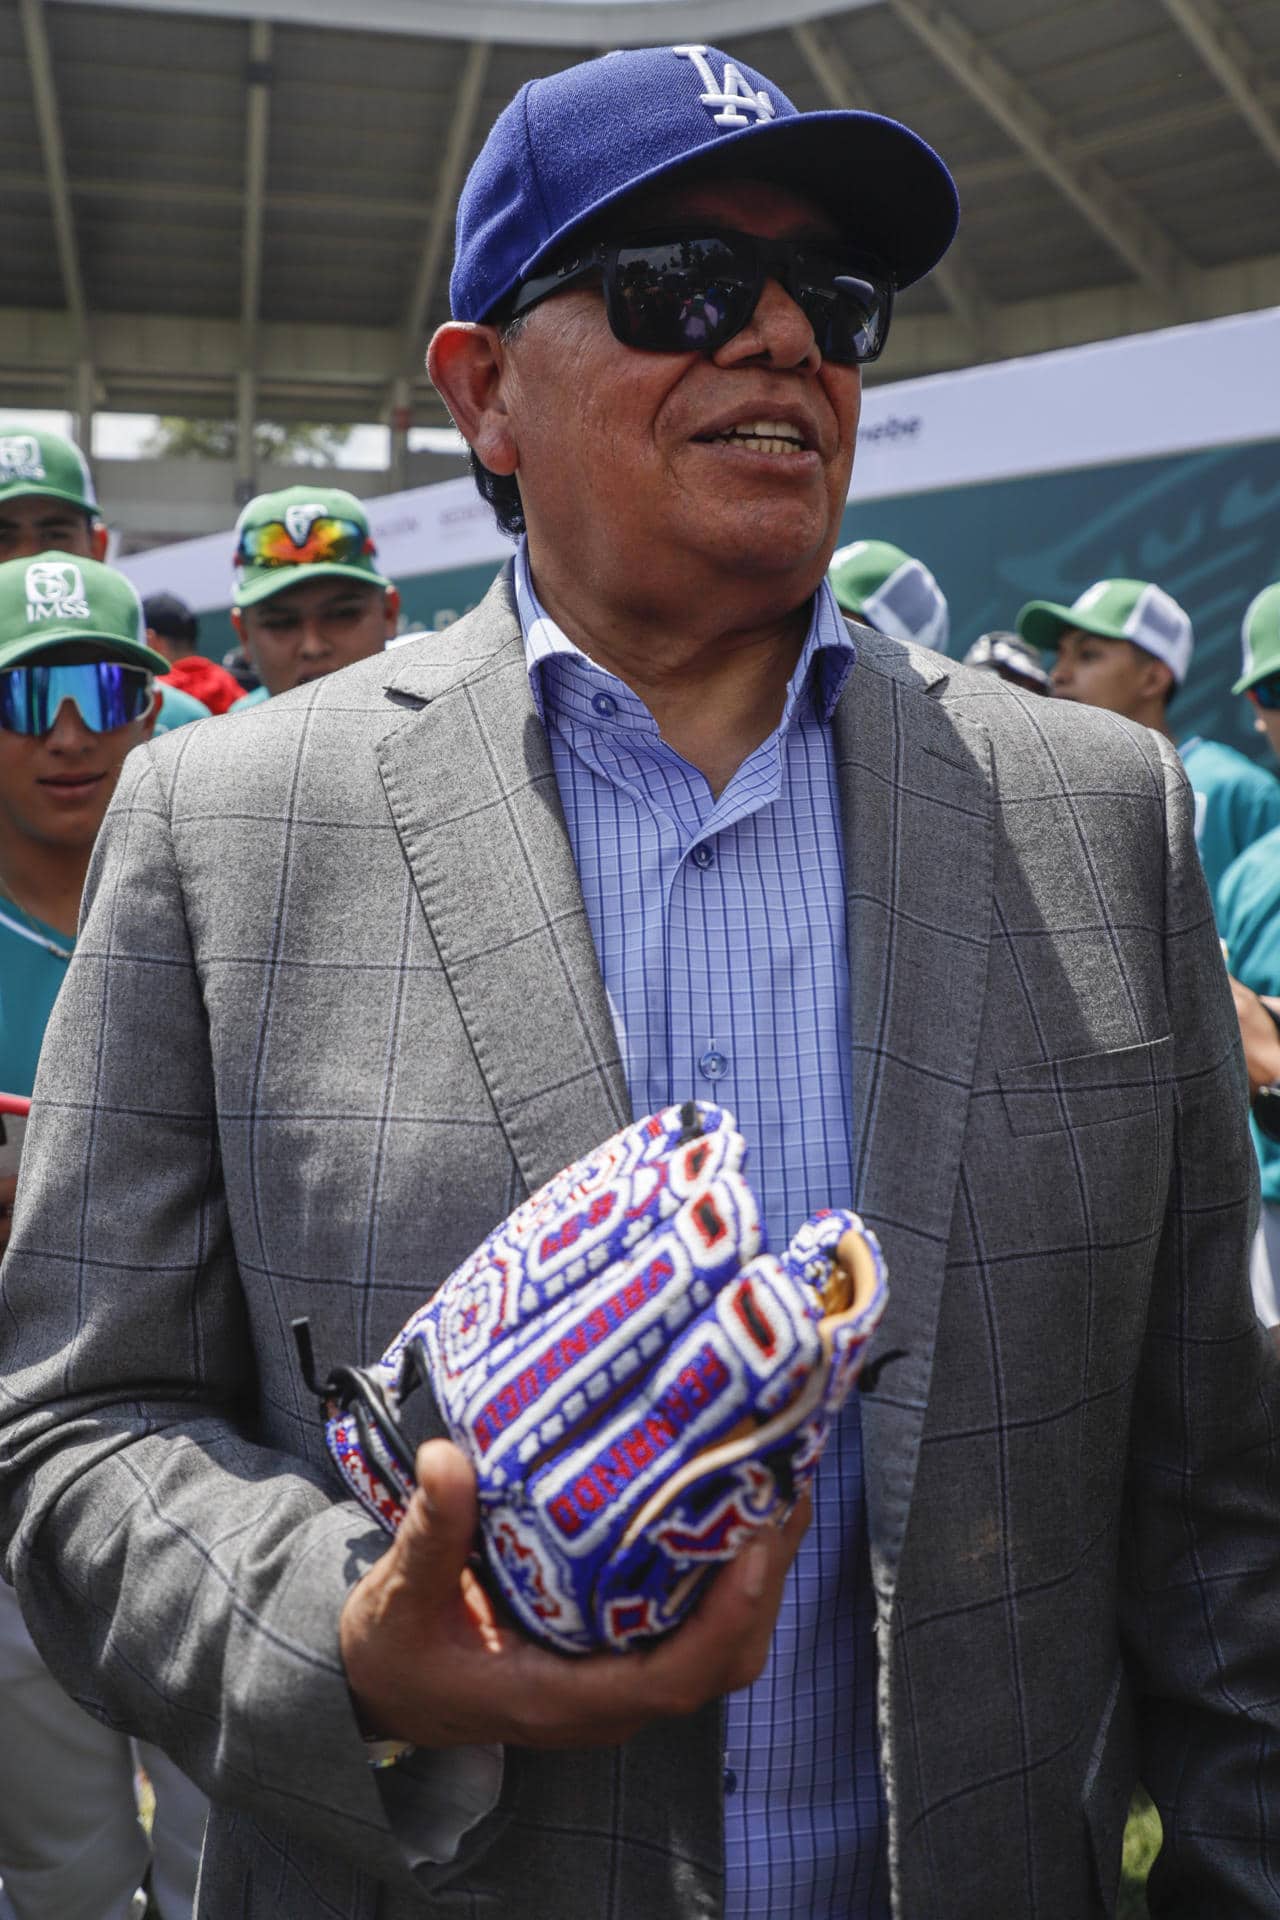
391 608
242 635
466 363
98 539
1157 678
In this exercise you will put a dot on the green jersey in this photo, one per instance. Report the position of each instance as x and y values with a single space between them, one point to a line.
178 709
1249 922
1237 801
33 965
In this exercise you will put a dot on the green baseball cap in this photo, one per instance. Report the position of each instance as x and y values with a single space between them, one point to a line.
33 460
311 532
45 603
1260 637
1133 610
883 586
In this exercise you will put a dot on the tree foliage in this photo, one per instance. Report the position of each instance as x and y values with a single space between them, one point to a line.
292 443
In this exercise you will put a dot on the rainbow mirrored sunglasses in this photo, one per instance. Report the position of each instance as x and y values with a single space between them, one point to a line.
329 538
105 694
1266 693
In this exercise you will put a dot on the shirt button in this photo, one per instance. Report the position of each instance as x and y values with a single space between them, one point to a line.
605 705
730 1780
713 1064
703 856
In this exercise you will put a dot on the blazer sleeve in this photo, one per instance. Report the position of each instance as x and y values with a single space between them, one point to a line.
181 1580
1200 1566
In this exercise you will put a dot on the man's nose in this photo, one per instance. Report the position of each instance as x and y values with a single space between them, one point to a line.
69 734
779 329
313 641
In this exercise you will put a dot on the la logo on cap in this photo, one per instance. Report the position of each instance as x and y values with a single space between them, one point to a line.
55 591
734 98
300 520
20 457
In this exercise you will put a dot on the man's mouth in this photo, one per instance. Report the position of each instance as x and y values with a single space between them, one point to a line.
71 785
759 436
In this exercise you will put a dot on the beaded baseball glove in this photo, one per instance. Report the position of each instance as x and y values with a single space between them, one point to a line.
638 1384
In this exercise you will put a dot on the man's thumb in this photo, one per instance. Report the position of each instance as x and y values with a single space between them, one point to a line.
439 1527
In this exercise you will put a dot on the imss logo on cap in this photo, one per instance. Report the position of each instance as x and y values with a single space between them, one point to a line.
57 598
20 457
34 460
55 591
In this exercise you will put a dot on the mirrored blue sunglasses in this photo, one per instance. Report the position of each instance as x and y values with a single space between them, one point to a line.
105 694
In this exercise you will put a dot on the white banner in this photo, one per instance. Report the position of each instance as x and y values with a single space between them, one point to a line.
1156 393
1209 385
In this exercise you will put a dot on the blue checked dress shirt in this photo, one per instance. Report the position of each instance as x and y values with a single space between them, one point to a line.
720 930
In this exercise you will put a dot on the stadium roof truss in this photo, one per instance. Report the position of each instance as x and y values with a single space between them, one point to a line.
208 214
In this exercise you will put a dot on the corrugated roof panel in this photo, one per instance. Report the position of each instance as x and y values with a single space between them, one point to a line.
351 285
1259 22
28 259
125 258
153 112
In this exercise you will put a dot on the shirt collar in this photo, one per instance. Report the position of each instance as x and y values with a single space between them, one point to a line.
555 665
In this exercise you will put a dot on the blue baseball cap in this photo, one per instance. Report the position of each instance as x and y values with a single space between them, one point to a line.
577 142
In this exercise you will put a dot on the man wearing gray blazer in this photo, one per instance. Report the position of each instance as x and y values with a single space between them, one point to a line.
361 969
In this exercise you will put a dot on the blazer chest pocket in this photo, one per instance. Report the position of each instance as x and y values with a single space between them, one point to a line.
1052 1096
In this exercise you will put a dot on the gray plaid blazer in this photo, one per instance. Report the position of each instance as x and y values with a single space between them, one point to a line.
335 1008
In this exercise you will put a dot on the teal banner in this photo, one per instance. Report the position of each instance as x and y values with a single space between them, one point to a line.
1204 526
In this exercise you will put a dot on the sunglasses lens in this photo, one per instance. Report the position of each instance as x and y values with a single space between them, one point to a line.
272 545
1267 692
848 314
686 295
104 694
693 292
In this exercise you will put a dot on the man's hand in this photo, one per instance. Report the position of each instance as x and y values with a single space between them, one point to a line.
8 1188
1259 1037
429 1660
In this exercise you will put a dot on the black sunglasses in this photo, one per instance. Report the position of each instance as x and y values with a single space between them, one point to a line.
690 292
1267 692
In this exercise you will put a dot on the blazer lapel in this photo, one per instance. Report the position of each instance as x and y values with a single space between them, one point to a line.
917 817
473 795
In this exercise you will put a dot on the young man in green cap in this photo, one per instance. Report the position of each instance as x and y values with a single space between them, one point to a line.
77 693
48 504
1125 645
1249 922
884 588
47 501
309 598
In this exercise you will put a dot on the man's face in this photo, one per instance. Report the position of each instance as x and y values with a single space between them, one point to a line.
623 459
1267 722
54 787
1113 674
32 524
314 628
